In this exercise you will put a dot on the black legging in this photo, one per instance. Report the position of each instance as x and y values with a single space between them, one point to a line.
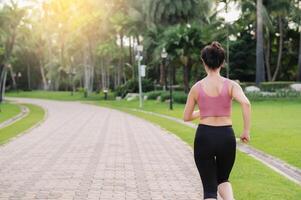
214 155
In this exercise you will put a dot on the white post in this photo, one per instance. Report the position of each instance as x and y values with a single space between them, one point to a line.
140 49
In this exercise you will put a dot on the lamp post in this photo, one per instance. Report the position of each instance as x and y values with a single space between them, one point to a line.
105 91
139 59
164 55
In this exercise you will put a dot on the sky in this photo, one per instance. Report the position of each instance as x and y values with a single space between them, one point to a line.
232 15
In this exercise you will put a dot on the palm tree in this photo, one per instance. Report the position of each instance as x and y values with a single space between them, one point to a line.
260 72
279 9
297 13
160 15
10 17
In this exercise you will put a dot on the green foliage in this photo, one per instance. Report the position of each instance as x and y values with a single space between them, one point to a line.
164 96
45 44
274 86
178 96
154 94
169 12
132 86
278 95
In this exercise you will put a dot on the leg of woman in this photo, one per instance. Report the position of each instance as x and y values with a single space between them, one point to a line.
225 190
225 159
205 161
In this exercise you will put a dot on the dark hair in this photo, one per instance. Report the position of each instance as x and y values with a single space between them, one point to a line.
213 55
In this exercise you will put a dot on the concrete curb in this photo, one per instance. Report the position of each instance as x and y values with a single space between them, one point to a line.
29 129
24 112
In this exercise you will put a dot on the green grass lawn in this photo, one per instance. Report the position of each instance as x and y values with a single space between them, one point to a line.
273 123
276 125
250 179
8 111
57 95
35 115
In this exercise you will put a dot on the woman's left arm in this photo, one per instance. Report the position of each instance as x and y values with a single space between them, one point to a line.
189 113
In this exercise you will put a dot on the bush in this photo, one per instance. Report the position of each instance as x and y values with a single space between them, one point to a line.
164 96
273 86
178 97
154 94
132 86
279 94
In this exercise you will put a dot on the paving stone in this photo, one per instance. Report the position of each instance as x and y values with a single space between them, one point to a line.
87 152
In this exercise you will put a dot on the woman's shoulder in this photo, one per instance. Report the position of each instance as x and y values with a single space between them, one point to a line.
233 82
196 85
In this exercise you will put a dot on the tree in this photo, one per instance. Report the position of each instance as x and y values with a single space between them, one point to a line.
164 14
260 72
297 15
10 17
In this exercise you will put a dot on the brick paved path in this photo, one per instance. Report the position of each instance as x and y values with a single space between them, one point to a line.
87 152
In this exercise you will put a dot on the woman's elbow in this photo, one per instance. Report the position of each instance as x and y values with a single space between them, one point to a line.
186 119
246 104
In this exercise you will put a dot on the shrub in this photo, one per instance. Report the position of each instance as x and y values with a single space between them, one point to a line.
132 86
273 86
279 94
154 94
164 96
178 97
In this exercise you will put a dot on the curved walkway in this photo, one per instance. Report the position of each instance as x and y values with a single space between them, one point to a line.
87 152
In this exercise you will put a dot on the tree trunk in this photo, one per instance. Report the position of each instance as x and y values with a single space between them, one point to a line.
13 77
174 75
280 48
28 77
162 74
165 75
267 57
120 67
91 62
2 83
299 62
260 75
103 75
185 78
108 77
45 86
130 52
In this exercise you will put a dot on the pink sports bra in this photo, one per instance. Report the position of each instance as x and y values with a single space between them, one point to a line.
216 106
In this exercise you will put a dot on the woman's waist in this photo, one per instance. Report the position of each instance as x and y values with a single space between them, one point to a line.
216 121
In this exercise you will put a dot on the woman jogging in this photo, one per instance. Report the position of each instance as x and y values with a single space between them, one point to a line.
215 143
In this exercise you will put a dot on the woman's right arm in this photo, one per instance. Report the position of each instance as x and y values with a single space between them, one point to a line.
239 96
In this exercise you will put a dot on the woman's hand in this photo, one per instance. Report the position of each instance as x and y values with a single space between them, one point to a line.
245 137
239 96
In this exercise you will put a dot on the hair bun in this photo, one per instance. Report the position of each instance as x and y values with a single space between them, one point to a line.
216 45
